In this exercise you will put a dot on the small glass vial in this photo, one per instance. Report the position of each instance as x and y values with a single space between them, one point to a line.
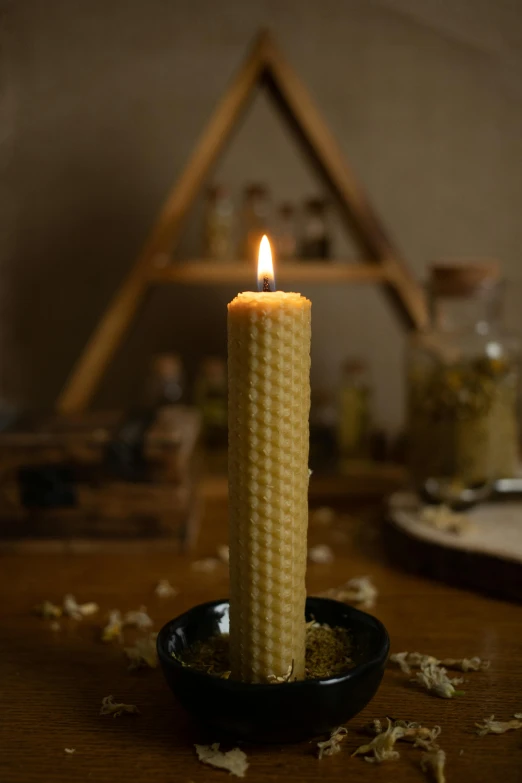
211 397
323 446
462 379
219 224
166 380
285 236
254 221
354 422
316 241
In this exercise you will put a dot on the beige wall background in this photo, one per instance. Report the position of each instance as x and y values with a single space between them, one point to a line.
101 104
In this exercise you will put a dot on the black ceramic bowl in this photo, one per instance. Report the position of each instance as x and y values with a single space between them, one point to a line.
287 712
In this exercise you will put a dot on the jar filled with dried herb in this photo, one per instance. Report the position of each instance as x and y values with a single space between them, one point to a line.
463 376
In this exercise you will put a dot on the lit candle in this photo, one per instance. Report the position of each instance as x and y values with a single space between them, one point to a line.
269 404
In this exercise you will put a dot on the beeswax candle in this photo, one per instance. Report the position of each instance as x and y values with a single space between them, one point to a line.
269 403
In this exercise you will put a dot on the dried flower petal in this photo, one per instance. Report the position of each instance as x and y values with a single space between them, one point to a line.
77 611
331 746
223 552
466 664
113 629
415 660
110 707
359 590
138 618
444 518
321 553
408 661
205 566
382 745
48 610
492 726
70 751
433 763
435 679
414 732
274 680
55 626
164 589
143 654
518 715
235 761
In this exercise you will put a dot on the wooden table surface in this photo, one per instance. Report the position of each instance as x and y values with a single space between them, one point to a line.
52 682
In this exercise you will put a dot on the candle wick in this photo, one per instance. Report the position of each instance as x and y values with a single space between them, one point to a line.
266 284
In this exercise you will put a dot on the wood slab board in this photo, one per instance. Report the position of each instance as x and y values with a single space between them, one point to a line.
486 558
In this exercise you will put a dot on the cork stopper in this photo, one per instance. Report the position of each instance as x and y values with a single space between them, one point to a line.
463 278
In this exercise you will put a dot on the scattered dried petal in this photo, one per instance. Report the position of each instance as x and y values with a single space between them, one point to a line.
55 626
466 664
444 518
223 552
414 732
274 679
359 590
138 618
48 610
77 611
205 566
408 661
415 660
435 679
432 763
113 629
331 746
235 761
164 589
492 726
143 654
70 751
110 707
518 715
374 727
321 553
382 745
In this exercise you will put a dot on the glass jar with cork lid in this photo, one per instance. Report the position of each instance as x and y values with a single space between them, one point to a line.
462 385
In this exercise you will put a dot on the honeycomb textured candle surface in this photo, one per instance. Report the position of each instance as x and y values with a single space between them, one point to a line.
269 405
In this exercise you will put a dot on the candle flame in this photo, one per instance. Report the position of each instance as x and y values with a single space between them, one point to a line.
265 268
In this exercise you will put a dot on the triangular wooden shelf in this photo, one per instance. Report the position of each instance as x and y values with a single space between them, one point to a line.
264 65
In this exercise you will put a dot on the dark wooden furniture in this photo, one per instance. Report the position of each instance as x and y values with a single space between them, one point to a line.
101 477
53 682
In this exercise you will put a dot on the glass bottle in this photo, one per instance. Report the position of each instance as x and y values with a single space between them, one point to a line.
462 379
316 241
254 221
210 396
285 235
354 422
166 380
323 446
219 224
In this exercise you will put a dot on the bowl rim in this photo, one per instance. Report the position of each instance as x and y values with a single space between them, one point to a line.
379 659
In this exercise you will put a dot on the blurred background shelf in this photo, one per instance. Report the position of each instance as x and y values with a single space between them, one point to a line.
211 273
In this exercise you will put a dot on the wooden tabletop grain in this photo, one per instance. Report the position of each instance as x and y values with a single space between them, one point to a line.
52 682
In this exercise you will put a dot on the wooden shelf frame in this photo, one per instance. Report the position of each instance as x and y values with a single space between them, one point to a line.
314 272
264 65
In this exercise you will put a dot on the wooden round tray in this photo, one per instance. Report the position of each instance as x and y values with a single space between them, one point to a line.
487 557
